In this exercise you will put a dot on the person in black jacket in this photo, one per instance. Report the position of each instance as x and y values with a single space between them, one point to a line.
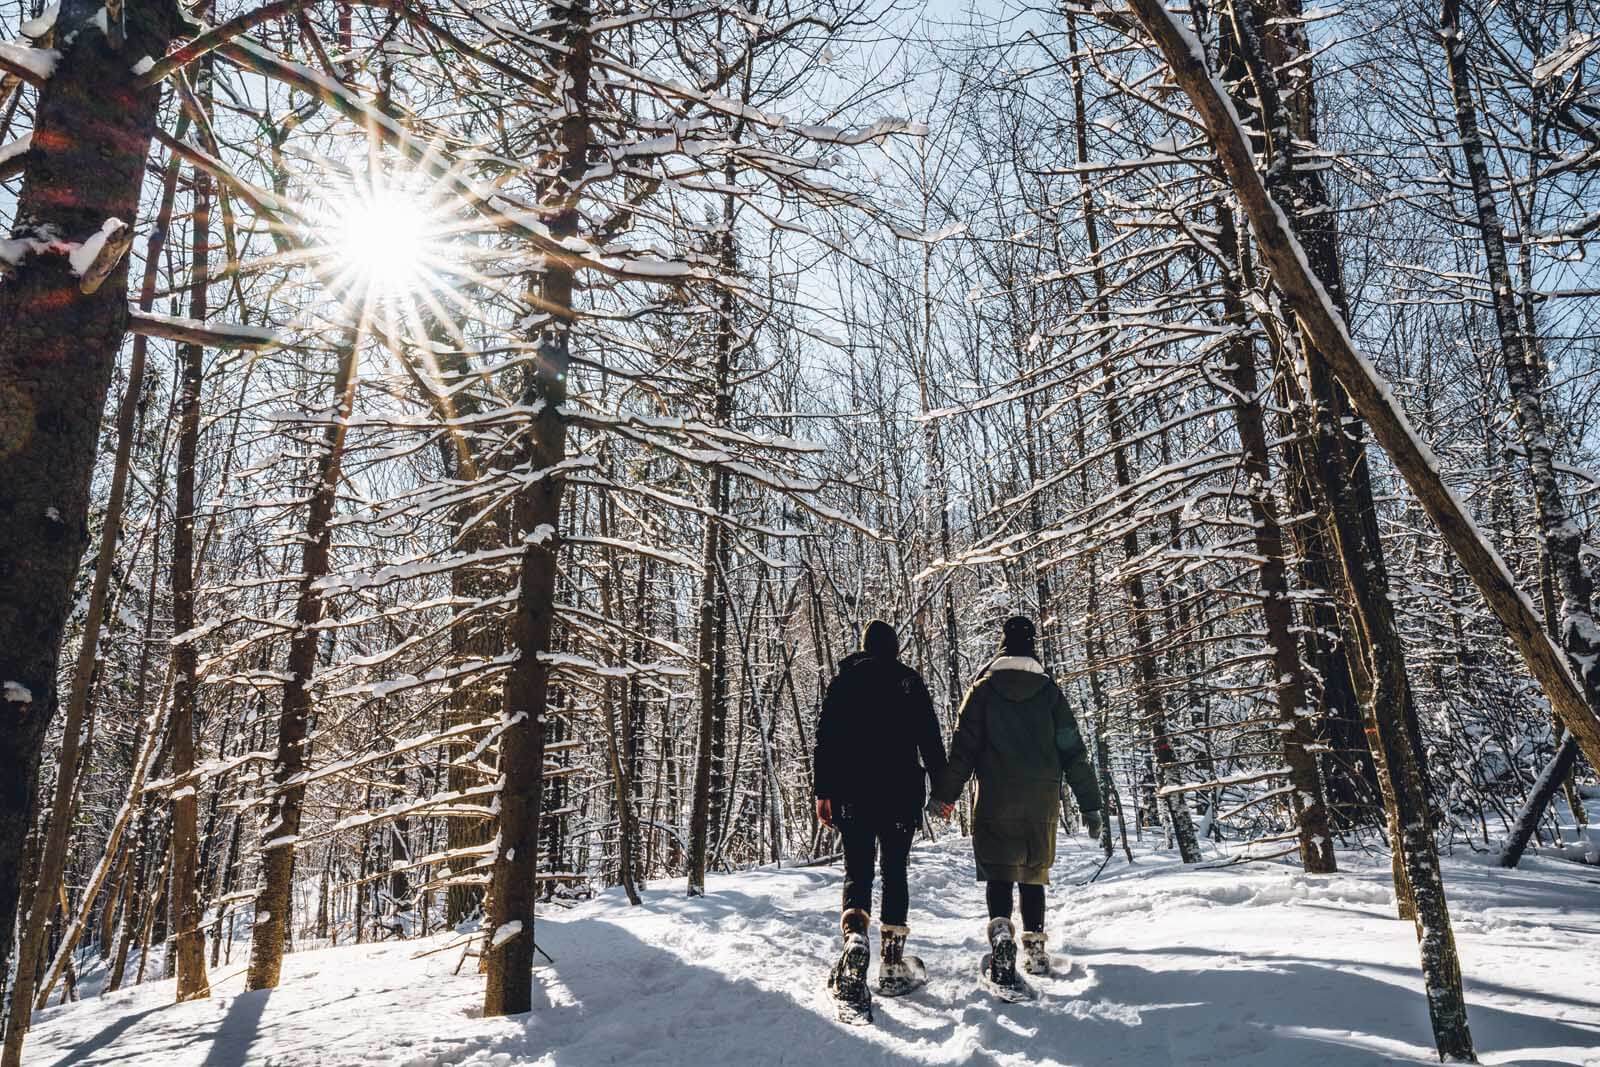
877 738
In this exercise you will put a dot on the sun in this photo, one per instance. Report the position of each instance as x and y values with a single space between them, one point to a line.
383 240
395 248
384 244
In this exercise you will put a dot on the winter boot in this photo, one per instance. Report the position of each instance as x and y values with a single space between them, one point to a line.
1002 953
1035 960
848 980
898 973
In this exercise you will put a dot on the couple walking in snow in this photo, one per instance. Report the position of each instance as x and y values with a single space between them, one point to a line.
877 738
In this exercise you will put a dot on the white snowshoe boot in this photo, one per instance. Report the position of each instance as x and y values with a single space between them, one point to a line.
1035 960
898 974
848 979
999 972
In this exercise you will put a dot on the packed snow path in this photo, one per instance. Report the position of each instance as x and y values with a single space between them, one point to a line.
1248 965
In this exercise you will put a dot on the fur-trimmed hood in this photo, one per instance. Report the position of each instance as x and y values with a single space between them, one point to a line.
1017 677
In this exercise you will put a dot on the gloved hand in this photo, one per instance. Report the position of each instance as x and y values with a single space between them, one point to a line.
1092 823
938 809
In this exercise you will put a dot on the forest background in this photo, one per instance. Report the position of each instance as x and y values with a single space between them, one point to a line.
449 448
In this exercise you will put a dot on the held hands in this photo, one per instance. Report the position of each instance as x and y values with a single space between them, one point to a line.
825 811
1092 823
938 809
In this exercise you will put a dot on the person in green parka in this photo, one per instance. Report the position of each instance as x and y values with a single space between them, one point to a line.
1017 734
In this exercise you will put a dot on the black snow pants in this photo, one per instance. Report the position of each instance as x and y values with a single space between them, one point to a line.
999 894
864 834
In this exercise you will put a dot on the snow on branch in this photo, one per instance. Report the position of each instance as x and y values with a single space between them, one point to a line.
32 65
209 334
11 155
216 36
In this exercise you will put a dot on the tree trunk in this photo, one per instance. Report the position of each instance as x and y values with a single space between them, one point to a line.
709 781
1562 540
1321 321
472 636
116 894
536 518
53 850
1296 716
612 697
1146 672
140 808
282 829
1544 788
222 926
1331 458
700 810
1153 713
183 898
91 133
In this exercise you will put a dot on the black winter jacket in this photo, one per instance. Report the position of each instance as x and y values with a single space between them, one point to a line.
877 719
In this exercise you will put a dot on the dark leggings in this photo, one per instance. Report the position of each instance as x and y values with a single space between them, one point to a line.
1032 904
862 838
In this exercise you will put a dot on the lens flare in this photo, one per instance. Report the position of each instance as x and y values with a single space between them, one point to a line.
382 242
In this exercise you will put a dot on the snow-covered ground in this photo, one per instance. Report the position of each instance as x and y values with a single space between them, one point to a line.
1248 965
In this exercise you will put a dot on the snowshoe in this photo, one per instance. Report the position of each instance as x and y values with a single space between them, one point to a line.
898 974
999 971
847 982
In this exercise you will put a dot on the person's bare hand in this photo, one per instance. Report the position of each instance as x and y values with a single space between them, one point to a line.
825 811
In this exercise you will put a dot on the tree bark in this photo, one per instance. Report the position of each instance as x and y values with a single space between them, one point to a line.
536 519
91 133
472 636
709 780
613 696
1154 714
1544 789
53 852
183 898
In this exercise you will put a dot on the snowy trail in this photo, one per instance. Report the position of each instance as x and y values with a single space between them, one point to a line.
1257 965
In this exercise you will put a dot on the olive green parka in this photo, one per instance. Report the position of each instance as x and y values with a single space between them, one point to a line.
1018 735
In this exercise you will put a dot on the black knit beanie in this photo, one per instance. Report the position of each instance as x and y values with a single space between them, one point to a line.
1018 637
880 640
